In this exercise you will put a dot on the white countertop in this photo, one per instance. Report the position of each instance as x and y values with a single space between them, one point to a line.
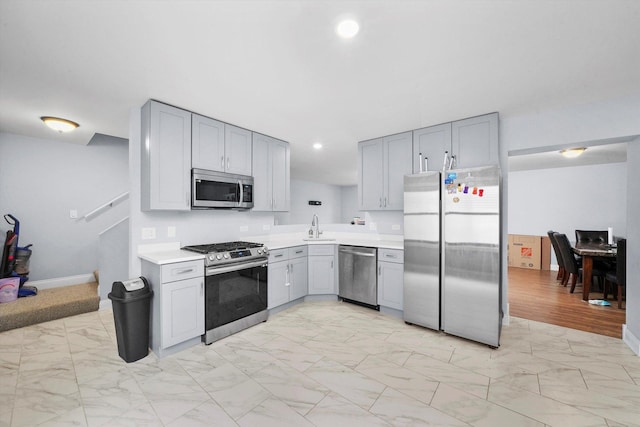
170 256
171 253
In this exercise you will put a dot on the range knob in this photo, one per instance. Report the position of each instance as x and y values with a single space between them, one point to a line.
265 250
211 257
226 256
259 251
219 257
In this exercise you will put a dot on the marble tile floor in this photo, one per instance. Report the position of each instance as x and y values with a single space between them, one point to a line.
319 364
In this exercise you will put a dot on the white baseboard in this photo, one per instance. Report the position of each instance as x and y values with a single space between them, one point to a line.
506 317
62 281
631 340
105 304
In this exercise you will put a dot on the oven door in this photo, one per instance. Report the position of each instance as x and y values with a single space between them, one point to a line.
234 291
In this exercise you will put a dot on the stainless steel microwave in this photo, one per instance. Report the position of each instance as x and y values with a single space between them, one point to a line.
210 189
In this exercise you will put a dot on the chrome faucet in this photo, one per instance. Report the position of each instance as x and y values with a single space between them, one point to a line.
315 222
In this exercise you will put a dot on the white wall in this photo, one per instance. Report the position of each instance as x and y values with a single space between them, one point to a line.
565 199
330 212
42 180
349 198
633 246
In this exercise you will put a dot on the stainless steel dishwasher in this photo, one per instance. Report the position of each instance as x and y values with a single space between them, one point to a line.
358 281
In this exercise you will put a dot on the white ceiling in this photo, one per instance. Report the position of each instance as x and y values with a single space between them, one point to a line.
278 68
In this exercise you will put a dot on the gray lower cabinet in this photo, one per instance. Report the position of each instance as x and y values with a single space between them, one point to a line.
287 275
322 271
165 158
382 164
473 142
271 170
390 278
177 305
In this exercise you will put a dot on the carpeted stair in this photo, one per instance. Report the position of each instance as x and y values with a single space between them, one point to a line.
49 304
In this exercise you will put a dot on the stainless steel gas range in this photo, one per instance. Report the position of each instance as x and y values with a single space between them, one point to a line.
235 287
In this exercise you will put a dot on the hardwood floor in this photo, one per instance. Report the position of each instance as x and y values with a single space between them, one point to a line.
536 295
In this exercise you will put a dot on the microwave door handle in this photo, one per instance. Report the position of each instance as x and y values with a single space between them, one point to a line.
241 193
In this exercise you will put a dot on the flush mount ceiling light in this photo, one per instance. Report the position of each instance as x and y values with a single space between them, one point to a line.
347 28
61 125
572 152
317 146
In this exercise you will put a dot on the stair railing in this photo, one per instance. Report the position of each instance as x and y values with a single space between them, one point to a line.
111 203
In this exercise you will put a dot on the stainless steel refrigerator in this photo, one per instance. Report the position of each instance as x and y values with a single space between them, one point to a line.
452 254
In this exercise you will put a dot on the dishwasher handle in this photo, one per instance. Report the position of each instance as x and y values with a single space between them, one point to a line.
366 254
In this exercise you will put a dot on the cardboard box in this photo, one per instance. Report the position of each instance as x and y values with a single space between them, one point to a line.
525 251
545 253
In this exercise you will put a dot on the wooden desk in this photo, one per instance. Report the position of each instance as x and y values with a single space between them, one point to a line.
588 253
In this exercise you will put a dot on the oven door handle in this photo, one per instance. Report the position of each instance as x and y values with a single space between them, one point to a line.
241 193
212 271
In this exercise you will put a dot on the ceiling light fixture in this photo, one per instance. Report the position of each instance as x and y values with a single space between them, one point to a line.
347 28
61 125
317 146
571 153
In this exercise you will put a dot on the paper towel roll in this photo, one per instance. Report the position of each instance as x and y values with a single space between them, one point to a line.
610 236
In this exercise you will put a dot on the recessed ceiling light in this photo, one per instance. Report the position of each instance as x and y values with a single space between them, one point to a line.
347 28
572 152
317 146
61 125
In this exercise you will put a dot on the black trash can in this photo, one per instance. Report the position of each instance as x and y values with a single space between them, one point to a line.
131 301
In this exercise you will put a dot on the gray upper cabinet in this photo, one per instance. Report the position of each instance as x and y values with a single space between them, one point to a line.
474 141
219 146
207 143
370 181
382 164
165 158
431 142
397 163
237 149
271 174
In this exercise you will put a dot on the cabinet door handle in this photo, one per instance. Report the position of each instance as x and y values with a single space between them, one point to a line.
278 256
390 256
201 288
299 252
380 202
221 162
385 202
274 202
287 282
331 263
184 271
228 164
379 270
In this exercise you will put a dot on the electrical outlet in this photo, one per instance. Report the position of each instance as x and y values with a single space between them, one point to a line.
171 231
148 233
244 228
73 214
